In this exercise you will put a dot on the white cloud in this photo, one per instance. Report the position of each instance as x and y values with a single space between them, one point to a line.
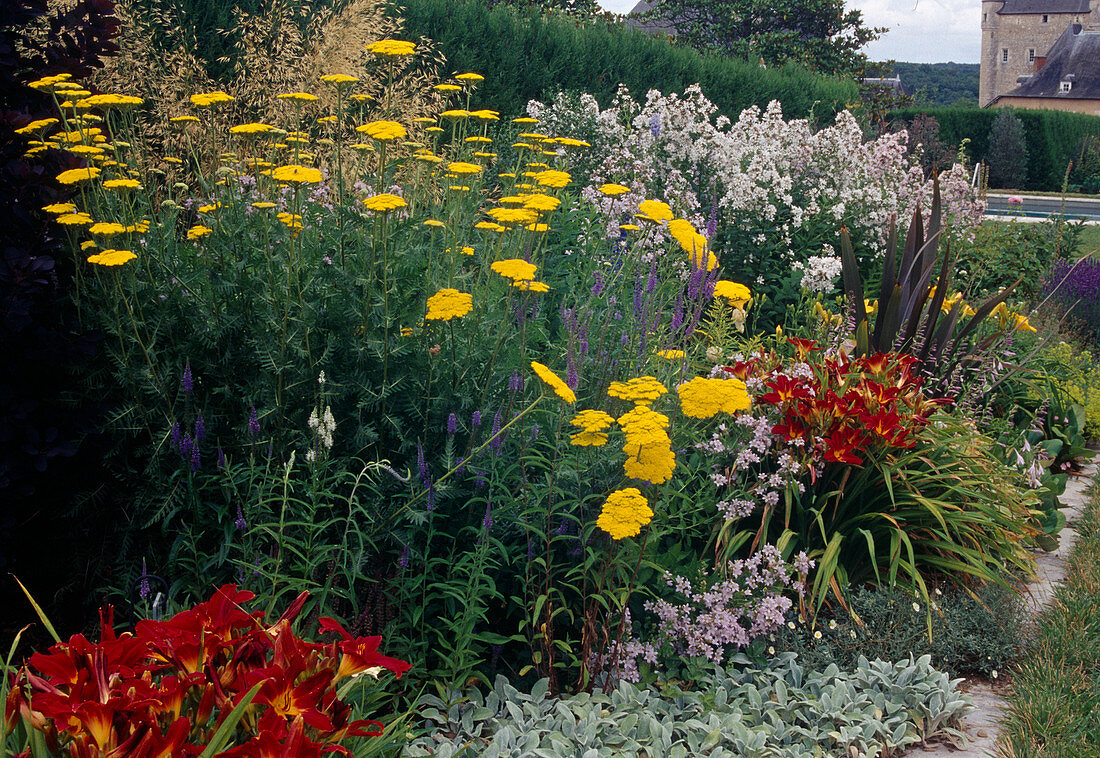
921 31
924 31
618 6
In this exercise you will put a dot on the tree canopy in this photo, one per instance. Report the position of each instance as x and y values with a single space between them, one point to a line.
818 34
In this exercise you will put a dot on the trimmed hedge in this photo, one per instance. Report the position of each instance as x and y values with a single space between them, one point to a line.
529 56
1053 137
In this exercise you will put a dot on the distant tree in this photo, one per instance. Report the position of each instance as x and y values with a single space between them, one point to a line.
1007 156
578 8
818 34
938 84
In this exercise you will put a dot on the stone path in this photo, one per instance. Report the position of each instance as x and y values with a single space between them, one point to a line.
981 726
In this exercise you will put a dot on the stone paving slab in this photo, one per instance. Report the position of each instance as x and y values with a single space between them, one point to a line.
982 726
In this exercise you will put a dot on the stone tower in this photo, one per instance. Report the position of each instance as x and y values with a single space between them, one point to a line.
1016 35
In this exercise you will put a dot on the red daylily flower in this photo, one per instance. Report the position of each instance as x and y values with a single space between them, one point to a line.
803 347
841 446
361 654
783 389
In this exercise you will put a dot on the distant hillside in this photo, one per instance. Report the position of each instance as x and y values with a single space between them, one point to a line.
939 84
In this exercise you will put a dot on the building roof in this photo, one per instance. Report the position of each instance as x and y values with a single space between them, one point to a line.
662 26
1075 58
1043 6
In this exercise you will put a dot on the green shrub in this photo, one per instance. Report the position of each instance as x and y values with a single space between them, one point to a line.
970 636
1054 138
999 253
1077 373
533 57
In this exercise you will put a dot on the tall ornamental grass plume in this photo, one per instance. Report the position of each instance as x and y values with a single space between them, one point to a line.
1075 286
272 48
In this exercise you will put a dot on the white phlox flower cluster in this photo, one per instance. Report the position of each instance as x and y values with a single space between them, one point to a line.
819 272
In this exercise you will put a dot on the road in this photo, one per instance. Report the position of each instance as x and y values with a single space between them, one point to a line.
1043 206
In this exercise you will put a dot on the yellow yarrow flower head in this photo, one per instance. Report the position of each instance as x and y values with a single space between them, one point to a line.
516 269
655 210
539 288
461 167
514 216
447 87
554 382
339 79
463 250
210 99
525 120
448 304
489 226
434 222
737 295
198 230
122 184
295 174
470 77
107 228
552 178
384 202
540 202
36 126
592 425
647 445
111 257
643 425
74 175
651 463
392 48
110 101
253 128
74 219
611 190
485 115
642 389
624 513
292 221
300 97
383 131
704 397
59 208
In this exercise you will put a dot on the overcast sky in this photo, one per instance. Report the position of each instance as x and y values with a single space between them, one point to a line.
921 31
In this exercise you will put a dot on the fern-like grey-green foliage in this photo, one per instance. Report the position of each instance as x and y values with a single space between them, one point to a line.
783 711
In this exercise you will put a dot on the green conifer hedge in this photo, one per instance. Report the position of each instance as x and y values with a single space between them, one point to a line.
1054 138
526 55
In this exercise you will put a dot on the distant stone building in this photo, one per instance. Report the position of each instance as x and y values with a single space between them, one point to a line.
1041 54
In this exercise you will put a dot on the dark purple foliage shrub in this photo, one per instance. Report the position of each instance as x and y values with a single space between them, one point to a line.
1076 287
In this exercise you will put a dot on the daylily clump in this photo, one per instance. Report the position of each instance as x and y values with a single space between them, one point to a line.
170 686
